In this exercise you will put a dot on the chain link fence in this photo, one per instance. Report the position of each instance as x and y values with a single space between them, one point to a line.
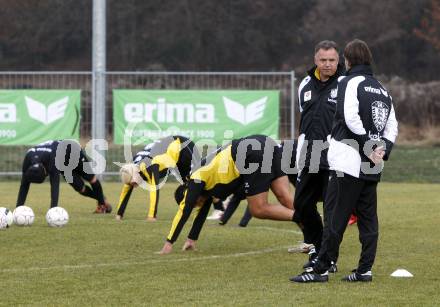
284 82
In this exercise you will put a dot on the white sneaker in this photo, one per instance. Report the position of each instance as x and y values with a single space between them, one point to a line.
301 248
215 216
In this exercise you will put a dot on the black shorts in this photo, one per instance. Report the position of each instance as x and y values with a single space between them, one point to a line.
82 170
261 166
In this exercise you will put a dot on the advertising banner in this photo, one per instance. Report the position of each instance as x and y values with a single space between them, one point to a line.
29 117
146 115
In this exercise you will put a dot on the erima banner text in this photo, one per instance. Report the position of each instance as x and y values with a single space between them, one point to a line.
147 115
30 117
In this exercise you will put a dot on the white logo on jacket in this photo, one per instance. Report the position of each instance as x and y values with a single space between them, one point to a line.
307 96
379 111
333 95
384 92
377 91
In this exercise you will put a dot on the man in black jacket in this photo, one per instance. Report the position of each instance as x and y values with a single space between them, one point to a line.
363 135
317 104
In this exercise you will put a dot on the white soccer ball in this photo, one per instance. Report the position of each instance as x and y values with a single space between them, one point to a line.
57 217
9 216
3 221
23 216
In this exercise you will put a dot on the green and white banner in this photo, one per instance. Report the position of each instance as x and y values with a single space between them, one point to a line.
146 115
29 117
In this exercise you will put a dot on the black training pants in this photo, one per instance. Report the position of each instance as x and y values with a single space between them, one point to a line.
343 195
310 188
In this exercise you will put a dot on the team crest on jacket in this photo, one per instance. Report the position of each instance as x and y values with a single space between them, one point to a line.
334 93
379 111
307 96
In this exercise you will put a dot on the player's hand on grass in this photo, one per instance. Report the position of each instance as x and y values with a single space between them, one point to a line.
189 245
118 217
151 219
166 249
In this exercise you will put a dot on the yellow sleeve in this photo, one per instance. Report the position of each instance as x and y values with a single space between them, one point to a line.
169 158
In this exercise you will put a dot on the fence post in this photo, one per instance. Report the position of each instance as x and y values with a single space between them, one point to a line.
99 69
292 97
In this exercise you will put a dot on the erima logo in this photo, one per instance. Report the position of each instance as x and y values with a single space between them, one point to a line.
163 112
375 90
8 113
372 90
245 115
46 114
384 92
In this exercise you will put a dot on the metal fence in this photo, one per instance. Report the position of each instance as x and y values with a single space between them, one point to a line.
283 81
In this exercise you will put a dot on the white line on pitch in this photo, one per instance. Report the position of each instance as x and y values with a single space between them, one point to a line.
163 260
277 229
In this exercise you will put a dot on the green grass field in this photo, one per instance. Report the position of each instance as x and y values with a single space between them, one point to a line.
97 261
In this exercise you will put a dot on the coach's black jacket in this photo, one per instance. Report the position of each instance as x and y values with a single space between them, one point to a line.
364 112
317 104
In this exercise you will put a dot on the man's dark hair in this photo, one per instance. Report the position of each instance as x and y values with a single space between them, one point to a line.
179 194
357 53
326 45
36 173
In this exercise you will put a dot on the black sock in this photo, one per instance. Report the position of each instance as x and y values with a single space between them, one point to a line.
97 189
88 192
218 205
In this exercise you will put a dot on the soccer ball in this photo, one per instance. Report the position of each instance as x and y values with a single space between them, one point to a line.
23 216
57 217
9 217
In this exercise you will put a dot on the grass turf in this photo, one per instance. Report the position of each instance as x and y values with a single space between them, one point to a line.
98 261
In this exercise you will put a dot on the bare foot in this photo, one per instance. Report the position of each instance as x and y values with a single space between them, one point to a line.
166 249
189 245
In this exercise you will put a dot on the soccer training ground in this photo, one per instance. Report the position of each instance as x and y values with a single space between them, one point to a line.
97 261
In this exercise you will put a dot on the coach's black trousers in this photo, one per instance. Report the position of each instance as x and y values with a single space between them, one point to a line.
345 194
310 188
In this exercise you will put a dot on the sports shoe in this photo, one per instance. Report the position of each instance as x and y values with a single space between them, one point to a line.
333 268
103 208
355 276
353 219
310 277
301 248
215 216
